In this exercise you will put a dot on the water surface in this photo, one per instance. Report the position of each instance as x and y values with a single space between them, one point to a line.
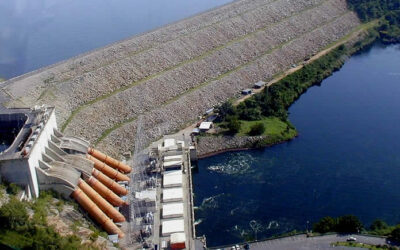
345 161
37 33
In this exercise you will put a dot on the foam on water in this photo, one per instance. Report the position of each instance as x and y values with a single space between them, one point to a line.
240 164
210 202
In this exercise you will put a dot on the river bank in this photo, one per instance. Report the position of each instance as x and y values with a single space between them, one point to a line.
213 145
336 55
345 152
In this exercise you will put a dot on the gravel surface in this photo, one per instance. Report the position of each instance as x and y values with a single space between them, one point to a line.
301 242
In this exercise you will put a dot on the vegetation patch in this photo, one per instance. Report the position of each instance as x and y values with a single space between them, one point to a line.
363 245
23 225
388 11
266 113
351 224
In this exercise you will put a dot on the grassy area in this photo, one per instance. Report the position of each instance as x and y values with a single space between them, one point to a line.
362 245
273 127
276 130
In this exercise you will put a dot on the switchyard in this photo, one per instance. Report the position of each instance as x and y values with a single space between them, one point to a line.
161 204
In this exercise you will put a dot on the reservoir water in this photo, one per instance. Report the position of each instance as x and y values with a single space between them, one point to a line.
345 161
34 34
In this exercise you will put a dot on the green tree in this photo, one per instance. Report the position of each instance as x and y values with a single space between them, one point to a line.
226 109
325 225
13 215
349 224
233 124
13 189
257 129
378 225
395 234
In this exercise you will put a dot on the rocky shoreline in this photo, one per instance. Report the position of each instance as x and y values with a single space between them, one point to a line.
213 145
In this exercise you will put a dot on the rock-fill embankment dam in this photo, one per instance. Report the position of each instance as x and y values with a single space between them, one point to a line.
168 77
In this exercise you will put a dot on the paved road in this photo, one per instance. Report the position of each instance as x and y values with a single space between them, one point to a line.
301 242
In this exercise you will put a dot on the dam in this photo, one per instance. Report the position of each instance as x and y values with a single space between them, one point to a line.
156 84
175 73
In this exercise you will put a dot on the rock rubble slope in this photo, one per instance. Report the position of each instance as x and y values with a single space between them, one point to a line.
169 76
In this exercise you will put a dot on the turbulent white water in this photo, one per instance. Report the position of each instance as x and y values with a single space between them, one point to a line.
233 166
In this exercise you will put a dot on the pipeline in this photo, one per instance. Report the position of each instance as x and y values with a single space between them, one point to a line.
109 161
107 170
96 213
106 207
115 187
109 195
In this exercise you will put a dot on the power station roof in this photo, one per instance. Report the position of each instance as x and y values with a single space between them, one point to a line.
172 178
177 238
169 164
172 226
172 209
169 143
173 158
172 194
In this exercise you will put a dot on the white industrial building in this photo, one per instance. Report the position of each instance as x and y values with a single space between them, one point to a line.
172 194
172 178
172 226
172 210
205 126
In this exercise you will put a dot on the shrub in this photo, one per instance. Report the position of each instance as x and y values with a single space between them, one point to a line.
13 189
325 225
378 225
13 215
257 129
349 224
395 234
233 124
226 109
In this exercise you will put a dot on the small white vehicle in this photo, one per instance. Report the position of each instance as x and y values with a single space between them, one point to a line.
351 238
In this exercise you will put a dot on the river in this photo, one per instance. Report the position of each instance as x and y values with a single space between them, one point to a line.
34 34
345 161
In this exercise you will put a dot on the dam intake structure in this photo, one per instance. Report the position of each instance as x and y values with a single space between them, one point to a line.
36 156
172 75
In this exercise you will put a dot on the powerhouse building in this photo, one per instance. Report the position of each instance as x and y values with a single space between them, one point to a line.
35 155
